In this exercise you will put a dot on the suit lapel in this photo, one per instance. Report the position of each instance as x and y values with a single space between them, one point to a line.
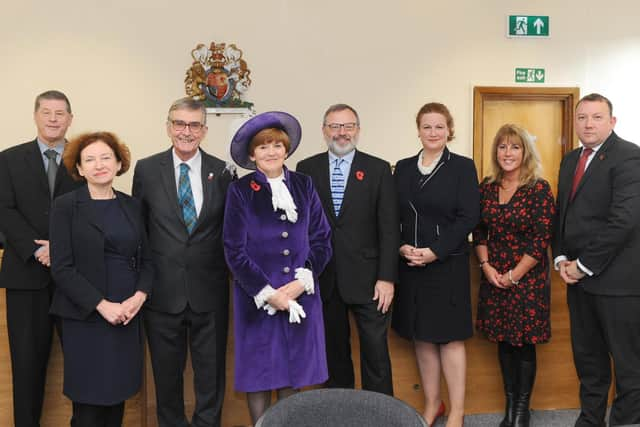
568 171
207 175
61 176
33 160
87 209
596 163
167 175
127 208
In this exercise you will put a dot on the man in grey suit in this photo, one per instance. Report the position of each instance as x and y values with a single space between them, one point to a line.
596 247
183 193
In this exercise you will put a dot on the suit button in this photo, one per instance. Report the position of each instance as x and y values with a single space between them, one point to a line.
286 269
284 234
286 252
283 217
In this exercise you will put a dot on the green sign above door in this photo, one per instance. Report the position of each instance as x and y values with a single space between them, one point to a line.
528 26
530 75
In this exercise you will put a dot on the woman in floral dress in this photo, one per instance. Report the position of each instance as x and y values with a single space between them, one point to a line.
511 242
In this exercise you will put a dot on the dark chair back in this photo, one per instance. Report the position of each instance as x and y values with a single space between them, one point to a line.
341 408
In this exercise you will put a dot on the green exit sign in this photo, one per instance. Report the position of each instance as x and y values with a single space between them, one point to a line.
530 75
528 26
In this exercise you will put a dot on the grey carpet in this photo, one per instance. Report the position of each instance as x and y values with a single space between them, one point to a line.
559 418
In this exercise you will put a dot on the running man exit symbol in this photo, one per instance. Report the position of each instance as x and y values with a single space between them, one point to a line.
530 75
528 26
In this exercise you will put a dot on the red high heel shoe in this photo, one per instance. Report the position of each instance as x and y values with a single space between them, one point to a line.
440 413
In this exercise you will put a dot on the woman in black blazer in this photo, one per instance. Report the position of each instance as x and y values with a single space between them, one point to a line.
103 276
439 206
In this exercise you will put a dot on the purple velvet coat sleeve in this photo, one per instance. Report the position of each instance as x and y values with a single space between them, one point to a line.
236 229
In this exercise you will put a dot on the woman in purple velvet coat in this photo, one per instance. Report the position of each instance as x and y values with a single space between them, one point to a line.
277 241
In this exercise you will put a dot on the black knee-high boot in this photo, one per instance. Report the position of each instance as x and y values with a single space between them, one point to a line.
526 378
508 361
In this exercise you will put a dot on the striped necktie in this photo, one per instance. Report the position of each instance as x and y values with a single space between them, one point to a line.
337 186
185 198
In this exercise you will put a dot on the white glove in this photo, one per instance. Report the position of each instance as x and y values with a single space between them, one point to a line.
306 277
270 310
296 312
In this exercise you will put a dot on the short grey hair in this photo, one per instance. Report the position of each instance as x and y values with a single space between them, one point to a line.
340 107
52 95
188 104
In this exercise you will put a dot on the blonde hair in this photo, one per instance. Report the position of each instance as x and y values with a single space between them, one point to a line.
530 169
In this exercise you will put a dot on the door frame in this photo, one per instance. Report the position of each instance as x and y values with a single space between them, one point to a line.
568 96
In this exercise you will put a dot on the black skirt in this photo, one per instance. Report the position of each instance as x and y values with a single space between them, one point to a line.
433 303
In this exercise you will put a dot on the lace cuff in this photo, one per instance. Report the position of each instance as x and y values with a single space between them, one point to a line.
262 297
306 277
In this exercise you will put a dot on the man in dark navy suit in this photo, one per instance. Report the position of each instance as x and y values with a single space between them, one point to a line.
31 175
596 247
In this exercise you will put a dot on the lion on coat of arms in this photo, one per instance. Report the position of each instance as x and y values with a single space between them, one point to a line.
218 76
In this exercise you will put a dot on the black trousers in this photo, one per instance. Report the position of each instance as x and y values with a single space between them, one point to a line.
85 415
30 329
169 335
605 328
372 328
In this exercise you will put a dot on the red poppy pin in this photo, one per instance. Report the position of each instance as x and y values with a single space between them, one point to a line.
255 186
359 175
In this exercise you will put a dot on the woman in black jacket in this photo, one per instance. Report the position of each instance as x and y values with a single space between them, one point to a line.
102 271
439 206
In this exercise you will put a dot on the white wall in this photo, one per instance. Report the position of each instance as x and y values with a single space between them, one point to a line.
122 63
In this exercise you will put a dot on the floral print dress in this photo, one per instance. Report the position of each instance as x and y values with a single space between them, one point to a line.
518 315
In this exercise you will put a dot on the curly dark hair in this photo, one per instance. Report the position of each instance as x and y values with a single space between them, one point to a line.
73 149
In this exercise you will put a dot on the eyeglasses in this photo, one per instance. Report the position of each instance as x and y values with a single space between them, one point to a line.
347 126
179 126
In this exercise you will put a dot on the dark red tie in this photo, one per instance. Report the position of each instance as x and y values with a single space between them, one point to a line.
582 166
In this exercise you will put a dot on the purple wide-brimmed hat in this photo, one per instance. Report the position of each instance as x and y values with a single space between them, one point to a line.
246 132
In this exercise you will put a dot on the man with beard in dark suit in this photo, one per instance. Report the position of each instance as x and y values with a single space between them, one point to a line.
596 247
31 176
358 196
183 192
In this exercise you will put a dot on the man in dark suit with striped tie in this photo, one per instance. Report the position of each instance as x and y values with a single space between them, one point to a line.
31 175
596 247
358 196
183 192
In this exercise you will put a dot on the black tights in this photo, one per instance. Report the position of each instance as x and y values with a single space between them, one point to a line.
259 401
86 415
526 353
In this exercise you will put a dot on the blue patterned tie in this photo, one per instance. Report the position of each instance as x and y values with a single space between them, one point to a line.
185 198
337 186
